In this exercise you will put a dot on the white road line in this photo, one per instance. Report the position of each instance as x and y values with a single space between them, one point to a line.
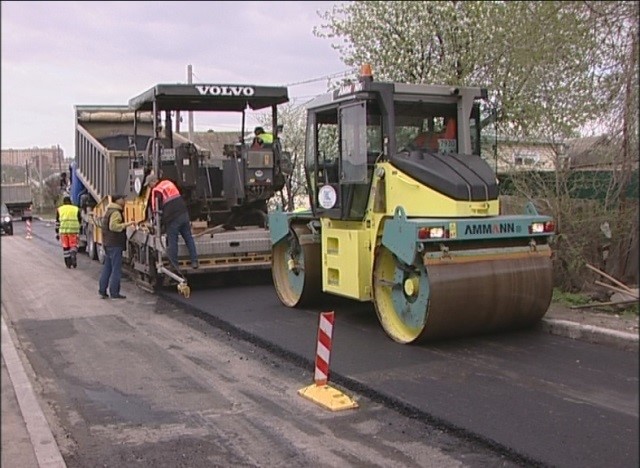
44 444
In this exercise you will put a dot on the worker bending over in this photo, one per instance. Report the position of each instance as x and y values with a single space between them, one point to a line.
166 197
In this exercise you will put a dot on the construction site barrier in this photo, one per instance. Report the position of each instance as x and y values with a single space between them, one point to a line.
28 236
320 392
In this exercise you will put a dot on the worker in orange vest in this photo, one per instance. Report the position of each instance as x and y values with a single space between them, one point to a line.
429 140
165 196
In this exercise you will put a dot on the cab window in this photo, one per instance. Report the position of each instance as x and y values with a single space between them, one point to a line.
426 126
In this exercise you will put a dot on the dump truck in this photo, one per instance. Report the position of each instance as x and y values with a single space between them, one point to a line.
405 214
101 165
18 199
226 194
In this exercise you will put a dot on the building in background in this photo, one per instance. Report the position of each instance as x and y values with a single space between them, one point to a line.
18 165
51 157
522 154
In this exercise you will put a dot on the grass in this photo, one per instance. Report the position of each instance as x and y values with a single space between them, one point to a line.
573 299
569 299
632 311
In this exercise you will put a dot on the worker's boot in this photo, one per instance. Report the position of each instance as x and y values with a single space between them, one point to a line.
67 262
74 261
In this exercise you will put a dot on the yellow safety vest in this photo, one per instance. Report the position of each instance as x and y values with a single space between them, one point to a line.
267 138
68 216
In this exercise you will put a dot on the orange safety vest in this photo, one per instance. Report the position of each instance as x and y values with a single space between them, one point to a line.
427 140
167 189
450 130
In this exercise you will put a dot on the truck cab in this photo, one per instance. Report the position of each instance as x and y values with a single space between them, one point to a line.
6 221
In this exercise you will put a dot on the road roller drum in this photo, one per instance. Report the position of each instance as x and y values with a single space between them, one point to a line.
448 299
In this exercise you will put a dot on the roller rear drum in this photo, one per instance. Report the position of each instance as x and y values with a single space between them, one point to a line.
440 300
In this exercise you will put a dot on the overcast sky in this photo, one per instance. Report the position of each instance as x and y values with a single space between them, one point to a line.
59 54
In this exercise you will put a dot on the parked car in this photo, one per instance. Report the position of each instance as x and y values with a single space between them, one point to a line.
7 222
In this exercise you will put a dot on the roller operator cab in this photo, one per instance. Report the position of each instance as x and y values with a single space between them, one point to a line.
405 213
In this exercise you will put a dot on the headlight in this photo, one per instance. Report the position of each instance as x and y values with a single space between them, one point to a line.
7 219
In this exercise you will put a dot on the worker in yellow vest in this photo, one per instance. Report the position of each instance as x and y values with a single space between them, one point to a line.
261 138
68 220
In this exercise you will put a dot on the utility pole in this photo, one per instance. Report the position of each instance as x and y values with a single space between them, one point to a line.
40 200
59 157
190 81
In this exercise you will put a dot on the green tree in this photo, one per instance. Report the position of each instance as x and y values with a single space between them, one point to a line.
616 25
530 55
292 119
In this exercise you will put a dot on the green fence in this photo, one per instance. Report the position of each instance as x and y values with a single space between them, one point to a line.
592 185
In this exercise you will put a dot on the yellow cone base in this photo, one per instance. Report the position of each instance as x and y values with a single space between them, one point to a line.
327 397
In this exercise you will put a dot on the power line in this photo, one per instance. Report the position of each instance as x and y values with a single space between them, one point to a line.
310 80
308 96
320 78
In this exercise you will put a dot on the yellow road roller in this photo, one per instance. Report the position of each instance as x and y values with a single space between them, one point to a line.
405 213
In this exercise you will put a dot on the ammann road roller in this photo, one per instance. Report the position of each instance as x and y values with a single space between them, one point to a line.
404 212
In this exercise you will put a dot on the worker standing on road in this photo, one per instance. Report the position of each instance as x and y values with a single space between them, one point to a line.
64 183
114 240
68 219
166 197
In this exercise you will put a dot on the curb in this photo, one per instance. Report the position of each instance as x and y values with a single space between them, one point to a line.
593 334
44 444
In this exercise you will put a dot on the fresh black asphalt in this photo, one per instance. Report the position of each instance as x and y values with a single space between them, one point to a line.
538 398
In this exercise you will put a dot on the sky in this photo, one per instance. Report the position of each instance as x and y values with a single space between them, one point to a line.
56 55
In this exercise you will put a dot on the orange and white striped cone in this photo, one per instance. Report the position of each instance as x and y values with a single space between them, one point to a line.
28 236
320 392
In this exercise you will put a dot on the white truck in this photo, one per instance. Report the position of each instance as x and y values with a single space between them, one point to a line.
18 199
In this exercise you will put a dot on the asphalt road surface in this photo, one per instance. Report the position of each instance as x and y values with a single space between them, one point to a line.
141 382
541 398
212 380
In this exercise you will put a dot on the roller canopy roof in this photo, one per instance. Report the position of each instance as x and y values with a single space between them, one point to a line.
209 97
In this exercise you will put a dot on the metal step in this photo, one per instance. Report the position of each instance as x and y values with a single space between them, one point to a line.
226 243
